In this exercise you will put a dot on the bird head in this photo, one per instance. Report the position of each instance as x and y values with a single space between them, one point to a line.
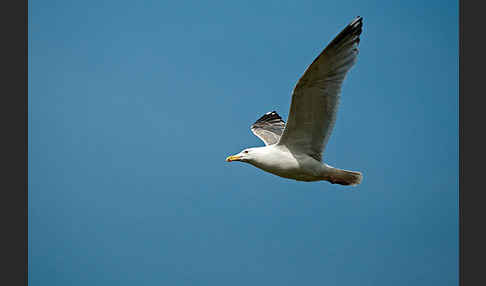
244 156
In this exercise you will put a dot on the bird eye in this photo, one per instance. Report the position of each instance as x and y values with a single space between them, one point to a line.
246 152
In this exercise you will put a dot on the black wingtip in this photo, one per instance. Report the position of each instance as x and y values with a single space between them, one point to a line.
269 116
354 28
357 23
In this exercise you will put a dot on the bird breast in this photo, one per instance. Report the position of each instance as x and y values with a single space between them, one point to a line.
285 163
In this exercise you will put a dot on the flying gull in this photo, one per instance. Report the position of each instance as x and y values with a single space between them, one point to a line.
294 150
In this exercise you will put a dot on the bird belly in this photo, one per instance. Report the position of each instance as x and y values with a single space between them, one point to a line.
300 169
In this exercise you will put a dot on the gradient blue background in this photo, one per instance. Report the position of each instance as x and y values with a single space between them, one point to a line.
134 105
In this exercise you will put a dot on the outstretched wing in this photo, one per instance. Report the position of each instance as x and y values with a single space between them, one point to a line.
315 98
268 128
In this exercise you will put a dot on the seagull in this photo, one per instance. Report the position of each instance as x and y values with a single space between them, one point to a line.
293 150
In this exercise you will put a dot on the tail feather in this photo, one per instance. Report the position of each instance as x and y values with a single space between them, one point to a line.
344 177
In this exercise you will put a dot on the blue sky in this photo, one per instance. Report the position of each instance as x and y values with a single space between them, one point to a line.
134 105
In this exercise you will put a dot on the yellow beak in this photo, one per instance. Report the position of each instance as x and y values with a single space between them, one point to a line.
233 158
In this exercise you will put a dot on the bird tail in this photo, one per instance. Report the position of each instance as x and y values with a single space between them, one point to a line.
344 177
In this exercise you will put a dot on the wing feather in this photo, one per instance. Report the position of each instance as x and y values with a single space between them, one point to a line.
315 98
268 128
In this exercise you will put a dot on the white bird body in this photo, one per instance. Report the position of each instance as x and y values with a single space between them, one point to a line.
294 149
281 161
